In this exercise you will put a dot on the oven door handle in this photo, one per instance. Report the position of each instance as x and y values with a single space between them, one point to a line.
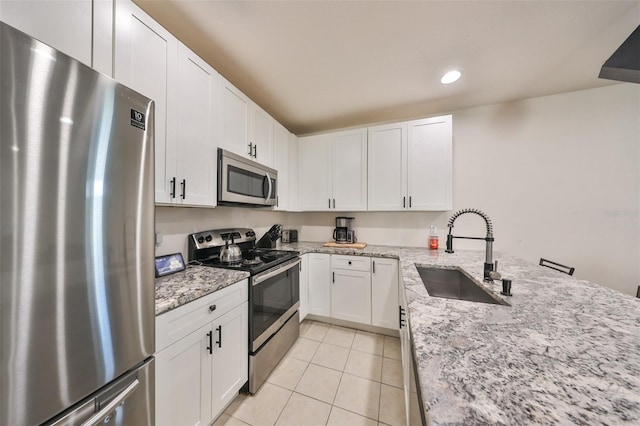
266 175
273 272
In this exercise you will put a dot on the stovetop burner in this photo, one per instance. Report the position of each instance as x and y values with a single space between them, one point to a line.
251 262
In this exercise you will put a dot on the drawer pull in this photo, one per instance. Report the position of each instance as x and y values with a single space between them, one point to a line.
349 262
212 308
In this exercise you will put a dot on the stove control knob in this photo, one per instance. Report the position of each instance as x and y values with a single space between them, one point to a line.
209 238
250 234
201 240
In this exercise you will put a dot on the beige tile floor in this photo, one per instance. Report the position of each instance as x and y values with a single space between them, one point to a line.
331 376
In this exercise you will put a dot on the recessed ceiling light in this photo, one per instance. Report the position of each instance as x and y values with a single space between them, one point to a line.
450 77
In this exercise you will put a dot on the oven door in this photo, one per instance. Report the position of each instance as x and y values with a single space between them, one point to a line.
275 296
242 181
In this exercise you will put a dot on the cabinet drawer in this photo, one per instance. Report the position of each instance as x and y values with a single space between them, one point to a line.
180 322
354 263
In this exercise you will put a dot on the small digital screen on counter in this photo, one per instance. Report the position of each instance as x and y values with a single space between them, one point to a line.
169 264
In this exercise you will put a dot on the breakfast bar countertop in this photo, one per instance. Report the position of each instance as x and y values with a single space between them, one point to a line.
563 351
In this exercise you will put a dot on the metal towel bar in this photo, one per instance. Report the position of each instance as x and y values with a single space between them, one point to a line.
557 266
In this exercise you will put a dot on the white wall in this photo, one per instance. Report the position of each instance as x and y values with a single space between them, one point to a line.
175 223
558 175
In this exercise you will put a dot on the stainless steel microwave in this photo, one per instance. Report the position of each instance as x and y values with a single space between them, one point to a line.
242 182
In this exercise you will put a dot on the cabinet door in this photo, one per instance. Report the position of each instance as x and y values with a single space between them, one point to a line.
351 295
350 170
387 154
314 173
293 173
196 130
261 136
384 293
405 350
304 287
319 271
183 381
103 18
234 119
63 25
230 356
146 60
430 165
281 164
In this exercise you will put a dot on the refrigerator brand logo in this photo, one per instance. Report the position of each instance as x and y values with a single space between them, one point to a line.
137 119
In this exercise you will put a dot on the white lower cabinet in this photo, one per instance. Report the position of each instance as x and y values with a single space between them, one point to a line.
183 381
229 356
319 274
405 350
201 362
351 288
304 287
359 289
384 292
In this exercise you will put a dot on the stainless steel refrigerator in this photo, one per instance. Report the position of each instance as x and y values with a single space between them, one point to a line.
76 242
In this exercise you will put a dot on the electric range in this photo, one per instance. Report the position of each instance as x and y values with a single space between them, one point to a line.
274 294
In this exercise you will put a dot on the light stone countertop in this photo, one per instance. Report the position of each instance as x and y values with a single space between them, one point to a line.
195 282
564 351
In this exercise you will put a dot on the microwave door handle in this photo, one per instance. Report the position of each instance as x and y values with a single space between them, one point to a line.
269 186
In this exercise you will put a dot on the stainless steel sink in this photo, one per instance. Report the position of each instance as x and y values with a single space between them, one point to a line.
454 284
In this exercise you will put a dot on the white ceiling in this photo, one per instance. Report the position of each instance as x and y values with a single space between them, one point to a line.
321 65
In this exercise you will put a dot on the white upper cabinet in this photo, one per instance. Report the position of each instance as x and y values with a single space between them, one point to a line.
282 164
261 127
410 165
145 59
196 132
332 171
63 25
293 173
184 88
387 167
245 128
350 170
430 164
234 119
314 173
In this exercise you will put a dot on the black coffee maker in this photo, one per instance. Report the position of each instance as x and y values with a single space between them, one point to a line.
343 234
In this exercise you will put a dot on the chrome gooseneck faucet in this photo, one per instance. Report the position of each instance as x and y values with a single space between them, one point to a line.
489 271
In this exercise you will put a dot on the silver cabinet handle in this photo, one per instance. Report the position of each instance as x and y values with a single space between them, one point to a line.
255 151
374 266
334 203
404 202
250 149
104 413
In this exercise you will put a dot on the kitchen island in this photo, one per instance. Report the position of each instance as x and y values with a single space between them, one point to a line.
562 351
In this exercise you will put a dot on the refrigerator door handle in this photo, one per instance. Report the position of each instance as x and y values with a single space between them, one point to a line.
101 415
